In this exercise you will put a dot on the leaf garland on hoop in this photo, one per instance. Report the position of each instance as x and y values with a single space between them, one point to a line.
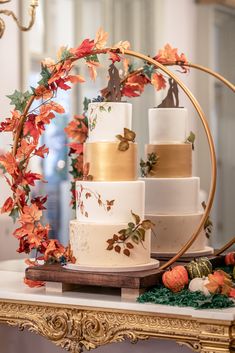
27 124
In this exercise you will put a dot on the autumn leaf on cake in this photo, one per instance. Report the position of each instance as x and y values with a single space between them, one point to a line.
158 81
101 38
219 282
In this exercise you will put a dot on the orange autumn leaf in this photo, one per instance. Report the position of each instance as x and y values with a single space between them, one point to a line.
30 214
167 54
43 92
8 205
219 282
33 284
75 79
101 38
77 129
41 151
92 65
24 230
158 81
8 161
140 80
11 124
25 149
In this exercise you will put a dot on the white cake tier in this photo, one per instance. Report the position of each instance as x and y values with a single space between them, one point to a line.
172 195
167 125
173 231
89 245
108 119
109 201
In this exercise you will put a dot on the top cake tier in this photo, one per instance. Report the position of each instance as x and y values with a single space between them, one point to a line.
167 125
108 119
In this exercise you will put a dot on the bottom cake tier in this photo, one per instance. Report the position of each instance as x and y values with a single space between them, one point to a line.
173 231
89 245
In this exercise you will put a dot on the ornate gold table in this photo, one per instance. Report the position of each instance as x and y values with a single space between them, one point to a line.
85 320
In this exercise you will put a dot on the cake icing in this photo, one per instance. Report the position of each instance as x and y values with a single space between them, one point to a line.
107 163
108 119
89 242
109 201
172 193
112 200
167 125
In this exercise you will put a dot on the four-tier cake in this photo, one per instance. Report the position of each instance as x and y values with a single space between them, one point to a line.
172 193
111 195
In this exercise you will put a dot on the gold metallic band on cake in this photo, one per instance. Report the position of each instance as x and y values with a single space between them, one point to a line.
175 160
107 163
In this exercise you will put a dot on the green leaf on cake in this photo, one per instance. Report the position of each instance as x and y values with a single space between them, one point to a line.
191 139
146 168
208 225
20 100
128 136
133 234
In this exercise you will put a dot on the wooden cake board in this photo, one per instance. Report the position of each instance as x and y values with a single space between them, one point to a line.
132 284
59 279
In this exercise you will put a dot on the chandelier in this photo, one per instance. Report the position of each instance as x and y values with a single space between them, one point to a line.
32 14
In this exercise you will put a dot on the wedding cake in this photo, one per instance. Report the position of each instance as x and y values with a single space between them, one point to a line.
172 193
111 195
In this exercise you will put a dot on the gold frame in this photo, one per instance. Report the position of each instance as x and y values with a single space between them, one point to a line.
75 328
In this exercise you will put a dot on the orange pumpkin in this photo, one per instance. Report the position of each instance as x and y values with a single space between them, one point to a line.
176 278
230 258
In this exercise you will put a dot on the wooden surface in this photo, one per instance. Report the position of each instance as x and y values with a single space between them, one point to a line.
131 280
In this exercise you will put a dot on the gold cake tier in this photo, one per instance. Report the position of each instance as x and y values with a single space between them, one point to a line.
107 163
174 160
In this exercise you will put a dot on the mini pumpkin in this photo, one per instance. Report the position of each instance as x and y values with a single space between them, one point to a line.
176 278
230 258
201 267
199 284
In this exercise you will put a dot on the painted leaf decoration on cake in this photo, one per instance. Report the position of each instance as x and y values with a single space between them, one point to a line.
136 217
191 139
126 252
129 135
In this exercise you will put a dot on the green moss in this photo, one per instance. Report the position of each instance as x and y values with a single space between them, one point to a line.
197 300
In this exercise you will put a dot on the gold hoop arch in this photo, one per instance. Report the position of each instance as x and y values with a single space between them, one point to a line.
204 123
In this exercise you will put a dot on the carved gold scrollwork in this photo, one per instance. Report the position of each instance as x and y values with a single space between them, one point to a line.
76 329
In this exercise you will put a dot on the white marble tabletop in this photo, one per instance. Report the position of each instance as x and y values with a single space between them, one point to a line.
13 288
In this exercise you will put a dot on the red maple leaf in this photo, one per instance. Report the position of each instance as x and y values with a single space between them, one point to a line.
131 90
84 49
41 151
33 284
8 205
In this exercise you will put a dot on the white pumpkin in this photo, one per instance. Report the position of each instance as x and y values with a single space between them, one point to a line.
199 284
